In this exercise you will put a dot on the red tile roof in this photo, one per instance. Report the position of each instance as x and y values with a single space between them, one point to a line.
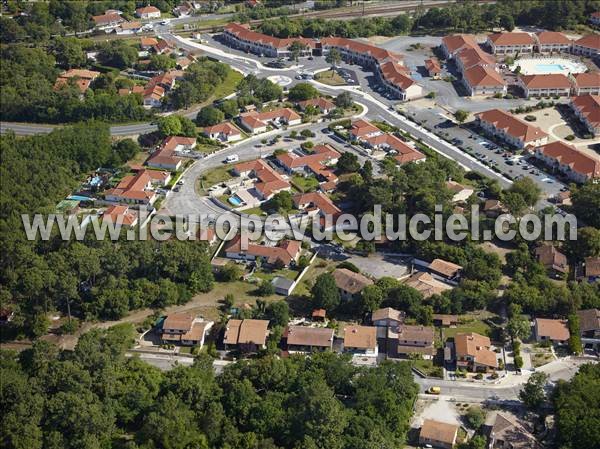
378 53
147 10
589 79
512 125
553 329
113 214
270 181
243 32
105 19
511 39
552 37
321 103
318 200
321 154
223 128
589 41
472 56
483 76
395 73
457 41
568 155
589 107
363 127
433 65
477 346
284 252
547 81
259 119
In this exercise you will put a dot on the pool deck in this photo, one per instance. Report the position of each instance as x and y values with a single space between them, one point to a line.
544 66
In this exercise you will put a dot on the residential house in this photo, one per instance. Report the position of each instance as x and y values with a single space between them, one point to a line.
445 269
433 68
146 43
225 132
461 193
493 208
545 85
361 340
553 260
362 130
322 156
81 77
589 323
324 105
473 352
587 45
316 204
556 331
184 62
569 161
184 328
587 109
133 90
164 157
242 37
148 12
284 254
319 315
445 320
246 335
511 43
162 47
483 80
185 9
121 215
586 83
153 96
406 339
108 21
506 432
511 129
454 43
590 269
552 42
306 339
393 145
257 122
349 283
426 284
268 181
387 317
207 235
138 189
438 434
128 28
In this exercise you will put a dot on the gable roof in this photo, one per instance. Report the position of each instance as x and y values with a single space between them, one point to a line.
551 257
396 74
433 65
507 429
471 56
147 10
349 281
570 156
246 332
105 19
321 103
589 41
363 127
439 431
550 80
422 334
552 37
270 181
179 321
592 266
553 329
444 267
378 53
223 128
588 79
255 119
116 213
589 320
483 76
388 313
318 200
360 337
245 33
284 252
426 284
309 336
511 39
456 42
589 107
321 154
512 125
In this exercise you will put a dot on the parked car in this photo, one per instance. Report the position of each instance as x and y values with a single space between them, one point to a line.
232 158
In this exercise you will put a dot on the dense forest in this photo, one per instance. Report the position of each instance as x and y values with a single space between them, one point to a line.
463 17
95 397
92 279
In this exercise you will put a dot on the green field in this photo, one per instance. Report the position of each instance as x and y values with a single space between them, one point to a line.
330 77
228 86
476 326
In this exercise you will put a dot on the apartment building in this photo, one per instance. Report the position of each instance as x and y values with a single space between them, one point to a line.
456 42
511 43
483 80
586 83
511 129
552 42
569 161
545 85
587 109
587 45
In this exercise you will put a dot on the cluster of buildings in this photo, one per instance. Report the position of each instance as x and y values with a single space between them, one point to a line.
480 72
81 78
367 134
389 67
113 21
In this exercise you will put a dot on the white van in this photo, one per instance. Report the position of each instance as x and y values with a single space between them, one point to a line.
231 159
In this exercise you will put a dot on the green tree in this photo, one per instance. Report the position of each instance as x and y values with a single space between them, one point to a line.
575 345
519 328
278 313
68 52
371 298
348 163
586 204
475 417
281 201
333 57
302 91
230 272
296 49
265 289
169 125
527 189
229 108
587 244
161 63
209 116
344 100
533 393
461 115
325 292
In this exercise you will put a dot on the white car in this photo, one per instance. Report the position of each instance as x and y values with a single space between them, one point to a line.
231 159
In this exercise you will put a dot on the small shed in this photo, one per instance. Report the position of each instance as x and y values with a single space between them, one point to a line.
283 286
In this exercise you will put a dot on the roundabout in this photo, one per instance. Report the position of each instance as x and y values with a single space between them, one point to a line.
280 80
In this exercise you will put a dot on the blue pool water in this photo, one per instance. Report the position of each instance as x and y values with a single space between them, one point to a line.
235 200
549 68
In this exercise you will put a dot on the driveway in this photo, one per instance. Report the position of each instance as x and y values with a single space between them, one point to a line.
378 266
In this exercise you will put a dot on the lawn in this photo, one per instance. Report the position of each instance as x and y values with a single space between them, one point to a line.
305 183
428 368
330 77
229 85
206 149
475 325
214 176
269 275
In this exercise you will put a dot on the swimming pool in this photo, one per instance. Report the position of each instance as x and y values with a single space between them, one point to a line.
235 201
550 68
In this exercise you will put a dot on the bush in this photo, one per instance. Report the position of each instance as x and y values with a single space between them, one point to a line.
530 118
518 361
349 266
475 417
479 376
265 289
570 137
